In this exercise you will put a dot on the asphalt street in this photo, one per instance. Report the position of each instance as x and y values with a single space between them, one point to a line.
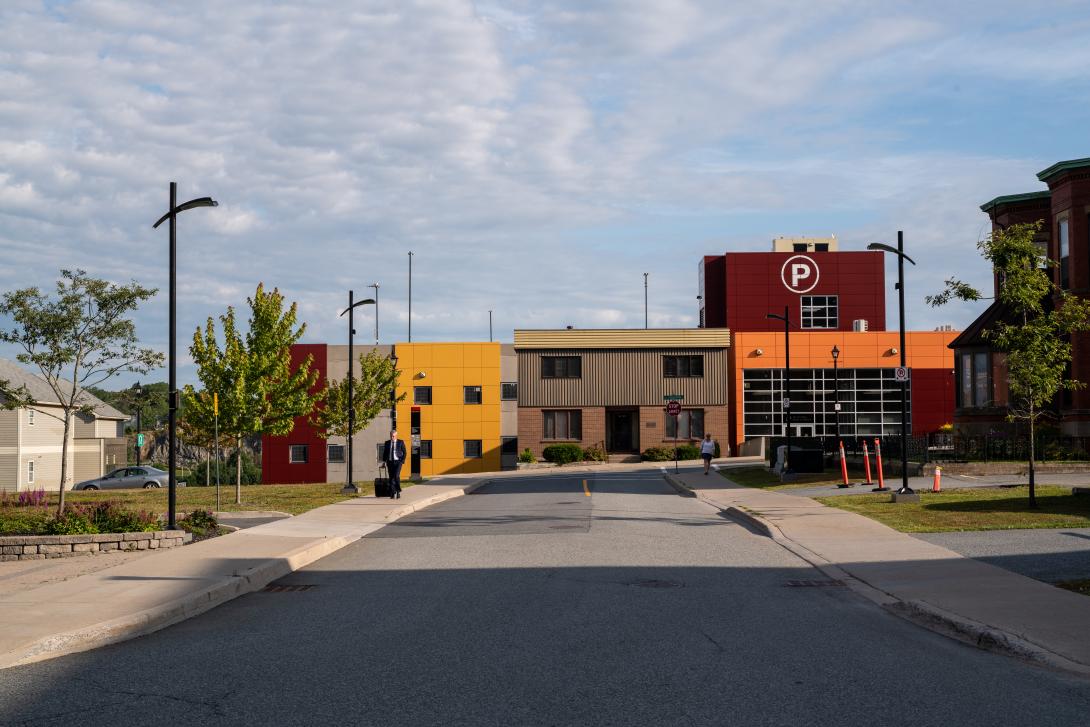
556 600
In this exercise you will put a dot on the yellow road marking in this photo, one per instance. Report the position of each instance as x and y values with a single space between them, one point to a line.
586 490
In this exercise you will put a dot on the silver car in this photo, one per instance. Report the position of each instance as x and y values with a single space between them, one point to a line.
129 477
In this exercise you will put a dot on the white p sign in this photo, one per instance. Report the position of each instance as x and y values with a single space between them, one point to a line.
800 274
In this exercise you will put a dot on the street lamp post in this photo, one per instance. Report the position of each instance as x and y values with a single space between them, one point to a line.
786 318
138 392
172 386
645 299
899 251
836 394
350 487
375 286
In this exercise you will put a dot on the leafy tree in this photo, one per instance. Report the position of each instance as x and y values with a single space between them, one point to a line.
150 399
259 389
76 339
372 391
1035 332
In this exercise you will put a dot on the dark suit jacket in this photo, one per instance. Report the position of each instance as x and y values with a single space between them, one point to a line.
400 451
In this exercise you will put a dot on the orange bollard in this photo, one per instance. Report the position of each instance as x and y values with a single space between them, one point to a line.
843 466
881 478
936 486
866 463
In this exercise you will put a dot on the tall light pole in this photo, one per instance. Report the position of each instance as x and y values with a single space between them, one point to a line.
645 300
899 251
786 318
410 296
375 286
350 487
836 393
172 386
490 326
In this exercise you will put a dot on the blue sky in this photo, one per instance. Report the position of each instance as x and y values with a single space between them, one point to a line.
537 157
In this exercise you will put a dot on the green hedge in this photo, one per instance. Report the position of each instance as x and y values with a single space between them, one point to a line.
78 519
666 454
563 453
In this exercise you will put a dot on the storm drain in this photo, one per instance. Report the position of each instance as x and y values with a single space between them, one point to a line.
833 583
654 583
284 588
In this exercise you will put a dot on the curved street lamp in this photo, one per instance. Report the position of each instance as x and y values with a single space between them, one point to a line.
350 487
172 386
899 251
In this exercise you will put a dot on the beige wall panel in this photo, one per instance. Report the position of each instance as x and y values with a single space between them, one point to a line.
45 432
84 426
9 427
9 473
622 378
88 465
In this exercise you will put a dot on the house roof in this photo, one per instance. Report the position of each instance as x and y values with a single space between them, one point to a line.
973 335
41 392
1009 199
1059 167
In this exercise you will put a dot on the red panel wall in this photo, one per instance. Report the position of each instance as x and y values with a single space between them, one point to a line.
275 467
932 399
754 288
714 292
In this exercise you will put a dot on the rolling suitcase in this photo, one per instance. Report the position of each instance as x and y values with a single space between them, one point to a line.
383 488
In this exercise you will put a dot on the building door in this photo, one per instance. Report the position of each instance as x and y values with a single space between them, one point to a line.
509 453
621 430
802 430
414 444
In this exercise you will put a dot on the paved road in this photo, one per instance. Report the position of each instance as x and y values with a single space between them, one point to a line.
1047 555
531 603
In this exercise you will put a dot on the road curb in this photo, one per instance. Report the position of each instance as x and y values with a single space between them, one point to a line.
920 613
193 604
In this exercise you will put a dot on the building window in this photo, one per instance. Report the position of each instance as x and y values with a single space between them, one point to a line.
680 367
297 453
472 394
425 449
1065 254
509 391
421 395
689 424
870 402
981 380
30 472
966 388
561 367
821 247
562 424
473 448
798 247
509 445
335 453
380 449
30 417
819 311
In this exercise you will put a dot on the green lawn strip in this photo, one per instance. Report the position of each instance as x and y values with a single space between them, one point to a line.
1080 586
293 499
765 479
972 509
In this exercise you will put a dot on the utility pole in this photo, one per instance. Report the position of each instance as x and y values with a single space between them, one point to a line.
410 296
375 286
490 326
645 300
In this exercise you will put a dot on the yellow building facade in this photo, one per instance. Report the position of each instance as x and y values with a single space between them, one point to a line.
451 409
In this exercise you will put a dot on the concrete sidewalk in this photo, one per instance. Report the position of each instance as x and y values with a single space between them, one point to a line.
977 602
148 594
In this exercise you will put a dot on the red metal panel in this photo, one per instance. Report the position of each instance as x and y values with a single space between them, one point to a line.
275 465
932 399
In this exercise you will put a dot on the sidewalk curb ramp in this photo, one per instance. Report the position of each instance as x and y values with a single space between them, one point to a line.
193 604
920 613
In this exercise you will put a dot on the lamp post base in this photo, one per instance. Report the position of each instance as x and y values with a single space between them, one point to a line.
350 490
901 496
880 489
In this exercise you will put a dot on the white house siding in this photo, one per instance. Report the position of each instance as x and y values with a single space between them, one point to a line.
41 442
9 446
109 429
88 460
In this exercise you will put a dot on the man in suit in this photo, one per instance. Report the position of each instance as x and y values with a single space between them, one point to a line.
393 454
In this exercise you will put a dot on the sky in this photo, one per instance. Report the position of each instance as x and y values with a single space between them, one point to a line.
536 157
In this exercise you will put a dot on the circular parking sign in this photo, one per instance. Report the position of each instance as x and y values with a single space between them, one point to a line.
900 374
673 408
800 274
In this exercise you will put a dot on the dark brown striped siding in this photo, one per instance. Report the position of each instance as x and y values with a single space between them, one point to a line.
622 377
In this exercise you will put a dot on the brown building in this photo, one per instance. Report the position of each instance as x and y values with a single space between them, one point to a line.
1064 213
608 387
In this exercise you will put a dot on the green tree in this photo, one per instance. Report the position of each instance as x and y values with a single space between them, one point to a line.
1035 331
372 391
76 339
260 392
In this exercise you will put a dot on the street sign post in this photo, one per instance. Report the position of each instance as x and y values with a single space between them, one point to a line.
216 413
673 408
674 397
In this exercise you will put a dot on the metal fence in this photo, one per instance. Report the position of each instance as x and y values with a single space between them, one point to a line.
943 447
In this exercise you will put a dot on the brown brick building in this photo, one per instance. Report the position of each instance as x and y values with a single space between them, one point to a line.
608 387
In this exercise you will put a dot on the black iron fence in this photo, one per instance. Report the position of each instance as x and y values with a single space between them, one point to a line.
944 447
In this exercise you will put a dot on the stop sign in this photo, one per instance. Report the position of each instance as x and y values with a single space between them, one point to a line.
673 408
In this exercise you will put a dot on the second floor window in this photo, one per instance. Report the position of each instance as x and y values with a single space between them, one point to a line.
473 395
561 367
680 367
819 311
1065 254
421 394
509 391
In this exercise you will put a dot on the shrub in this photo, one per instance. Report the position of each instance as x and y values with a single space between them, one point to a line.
32 498
112 517
251 471
527 456
595 453
563 453
24 521
658 454
688 451
72 522
202 523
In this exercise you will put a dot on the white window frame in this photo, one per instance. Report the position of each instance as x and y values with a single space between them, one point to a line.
30 472
830 300
291 454
30 417
329 450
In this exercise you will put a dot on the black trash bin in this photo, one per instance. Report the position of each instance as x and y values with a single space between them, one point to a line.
806 458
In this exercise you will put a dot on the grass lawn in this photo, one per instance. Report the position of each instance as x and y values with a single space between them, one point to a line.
292 499
765 479
972 509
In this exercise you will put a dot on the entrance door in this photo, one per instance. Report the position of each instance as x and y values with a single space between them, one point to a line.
414 444
621 430
802 430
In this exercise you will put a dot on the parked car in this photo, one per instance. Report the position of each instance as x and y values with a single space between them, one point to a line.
129 477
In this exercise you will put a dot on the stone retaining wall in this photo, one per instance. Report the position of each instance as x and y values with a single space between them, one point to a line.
40 547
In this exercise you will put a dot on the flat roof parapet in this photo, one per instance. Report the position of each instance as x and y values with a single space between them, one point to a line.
622 338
